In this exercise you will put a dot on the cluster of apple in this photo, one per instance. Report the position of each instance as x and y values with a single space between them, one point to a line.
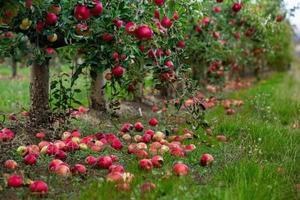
149 148
228 105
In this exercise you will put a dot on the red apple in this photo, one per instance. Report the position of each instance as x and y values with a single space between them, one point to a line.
10 164
180 169
38 187
104 162
138 126
181 44
116 168
126 127
147 187
166 22
78 169
237 7
51 19
62 170
114 177
130 28
15 181
40 135
159 2
91 160
206 159
157 161
118 71
54 164
146 164
144 32
30 159
153 121
146 138
82 12
97 9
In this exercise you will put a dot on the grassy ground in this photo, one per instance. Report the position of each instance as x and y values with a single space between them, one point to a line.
260 161
15 91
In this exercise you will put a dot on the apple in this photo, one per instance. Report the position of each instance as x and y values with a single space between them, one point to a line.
137 138
138 126
158 136
61 155
117 144
10 164
104 162
180 169
114 177
62 170
164 149
175 16
118 71
230 111
56 9
153 121
22 150
83 146
38 187
51 19
82 12
97 9
91 160
50 51
221 138
40 135
15 181
30 159
177 151
237 7
132 148
25 24
159 2
144 32
206 159
126 137
78 169
166 22
140 153
145 164
54 164
52 38
181 44
116 168
147 187
126 127
190 148
149 132
130 28
146 138
157 161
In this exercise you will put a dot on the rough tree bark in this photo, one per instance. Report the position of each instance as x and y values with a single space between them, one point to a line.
39 94
97 100
13 67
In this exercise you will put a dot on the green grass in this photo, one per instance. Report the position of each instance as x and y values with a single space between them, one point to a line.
261 141
15 92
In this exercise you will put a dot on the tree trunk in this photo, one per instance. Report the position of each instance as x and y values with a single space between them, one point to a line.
164 92
14 67
97 100
139 92
39 94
